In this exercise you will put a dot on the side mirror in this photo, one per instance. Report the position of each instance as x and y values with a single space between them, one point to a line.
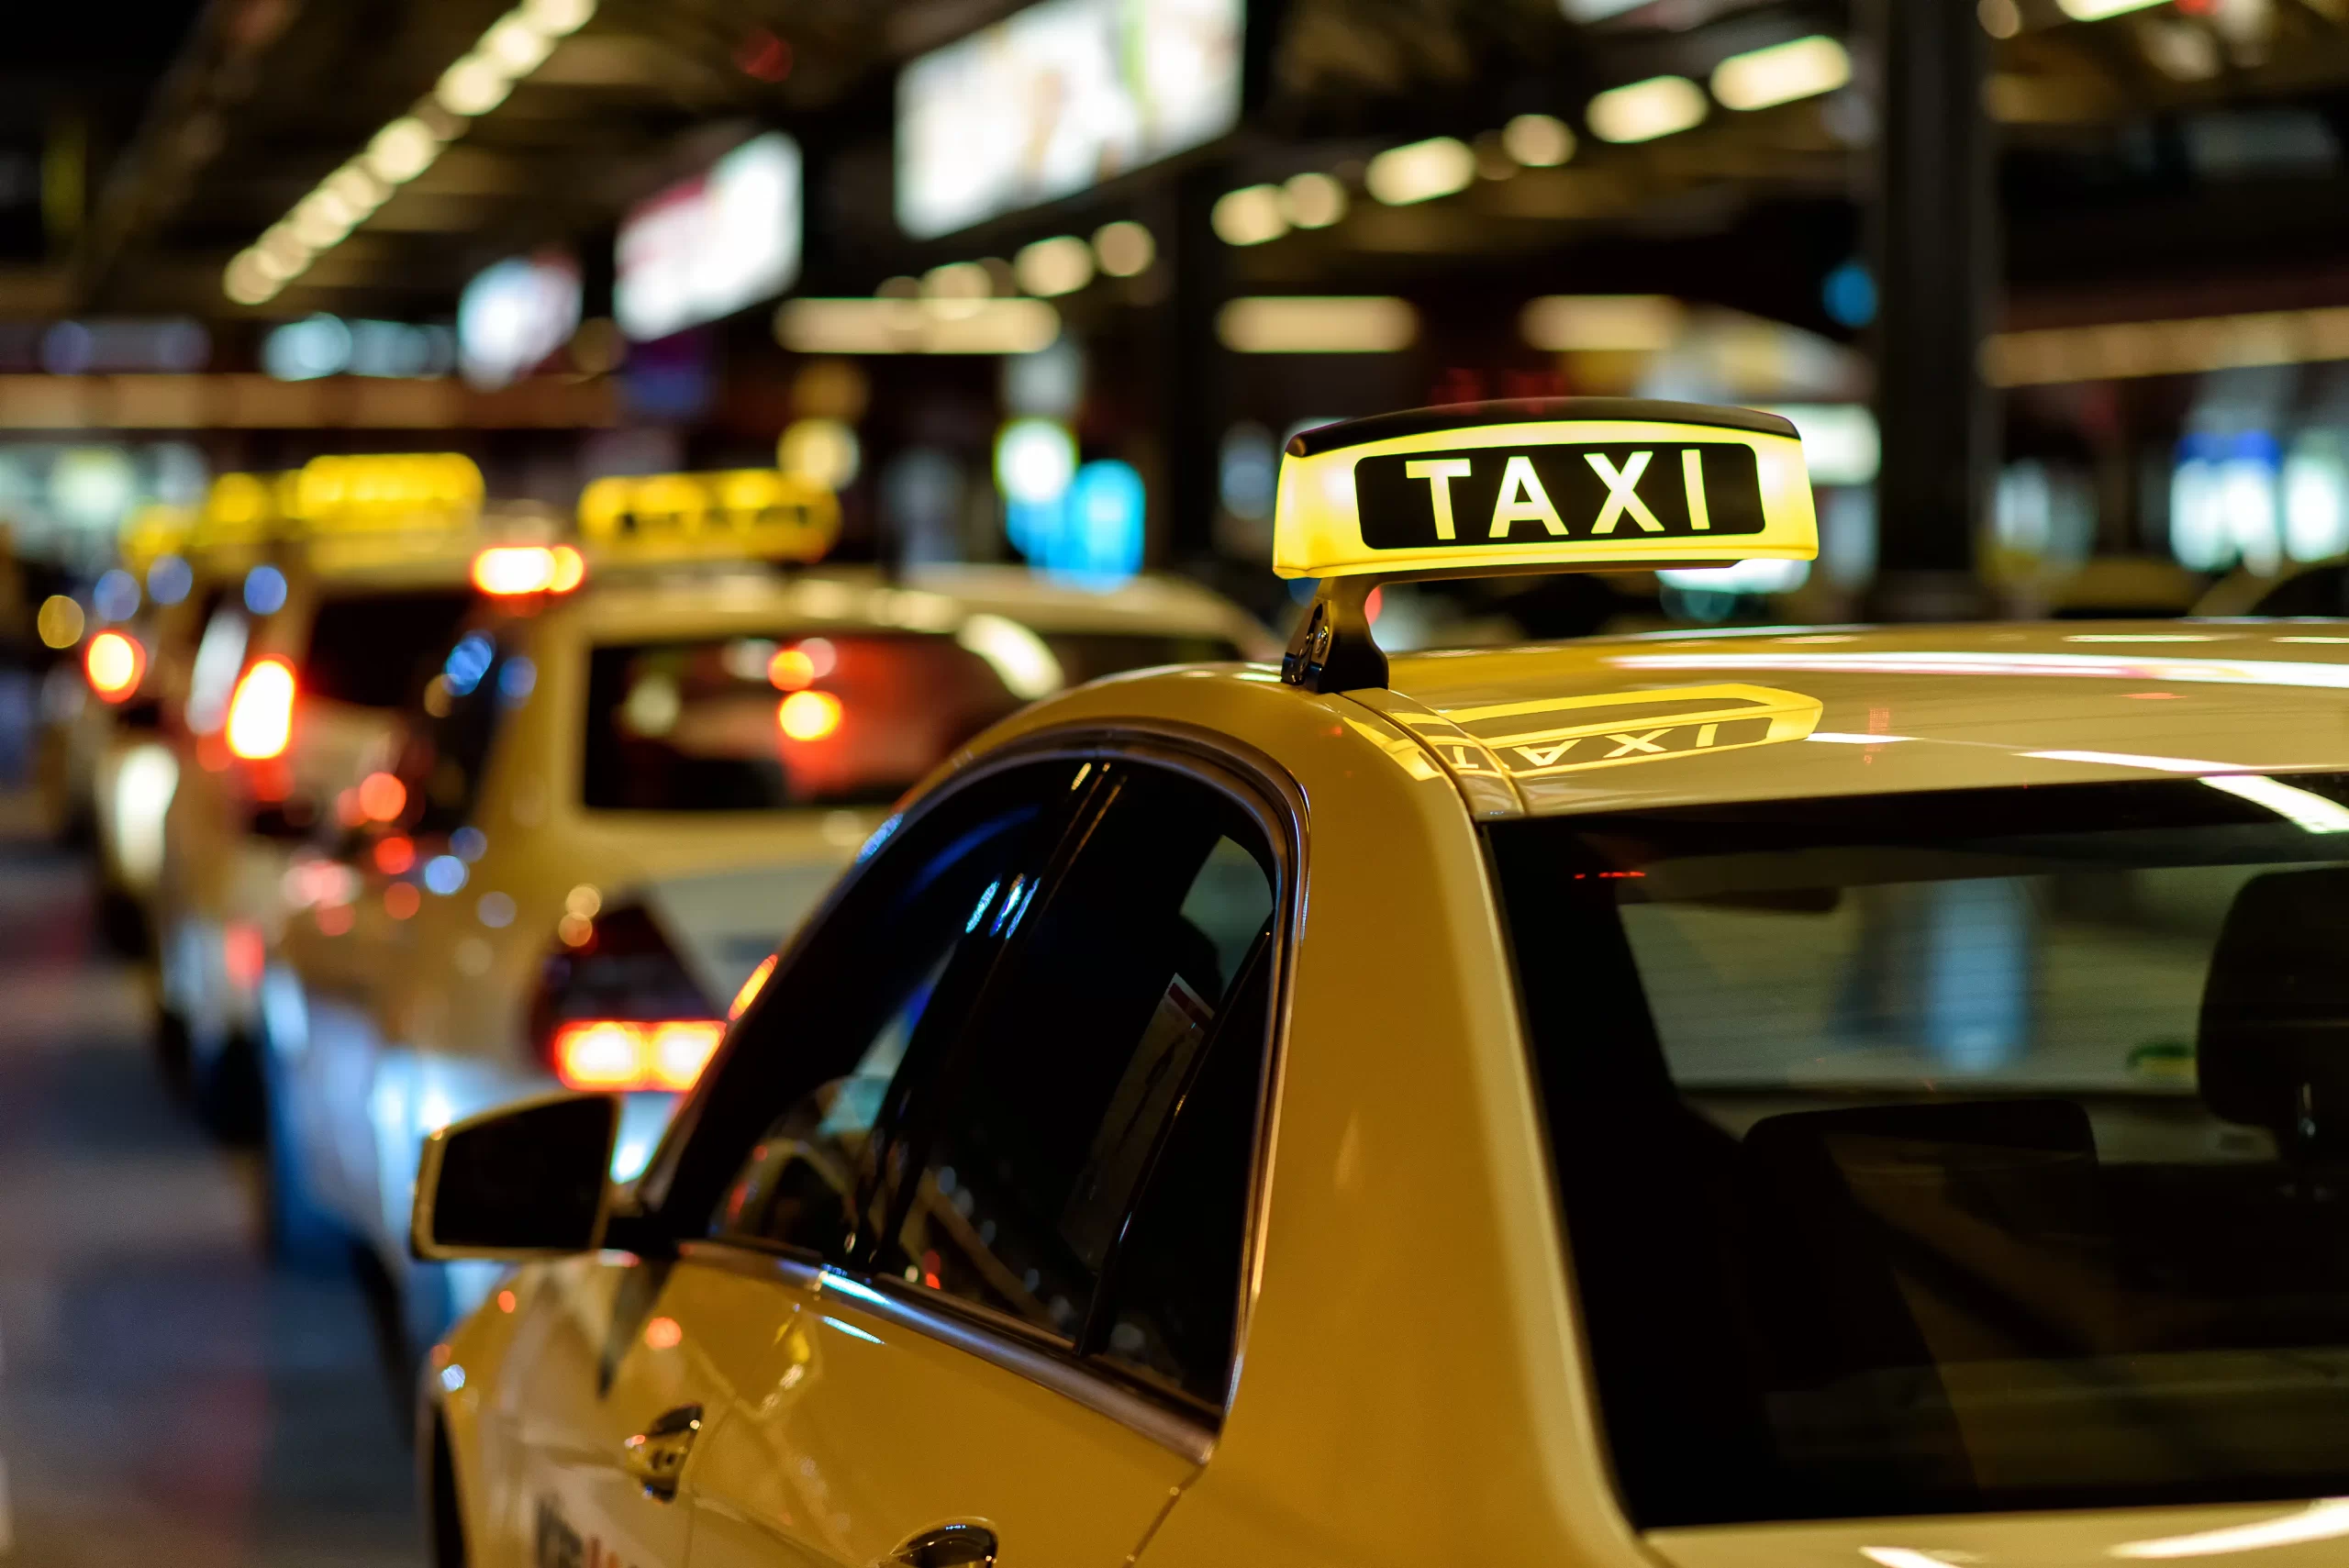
525 1180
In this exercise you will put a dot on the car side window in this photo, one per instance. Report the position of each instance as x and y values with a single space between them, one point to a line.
447 753
786 1134
1015 1172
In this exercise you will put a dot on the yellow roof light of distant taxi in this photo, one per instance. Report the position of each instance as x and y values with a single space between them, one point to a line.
752 514
1544 485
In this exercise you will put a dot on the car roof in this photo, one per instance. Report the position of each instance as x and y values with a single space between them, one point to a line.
1787 712
731 597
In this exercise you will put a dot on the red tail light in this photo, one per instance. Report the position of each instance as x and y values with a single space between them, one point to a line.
618 1010
623 1054
261 714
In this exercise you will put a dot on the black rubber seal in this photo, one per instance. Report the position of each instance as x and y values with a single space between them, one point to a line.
1517 410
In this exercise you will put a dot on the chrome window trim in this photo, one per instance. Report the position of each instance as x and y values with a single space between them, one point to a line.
1065 1375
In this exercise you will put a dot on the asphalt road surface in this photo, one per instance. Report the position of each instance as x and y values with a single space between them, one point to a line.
167 1400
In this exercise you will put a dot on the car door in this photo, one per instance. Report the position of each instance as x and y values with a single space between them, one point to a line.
1017 1343
625 1364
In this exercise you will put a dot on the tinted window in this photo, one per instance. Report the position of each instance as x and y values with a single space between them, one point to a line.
1021 1163
783 1144
447 753
1949 1153
374 649
754 723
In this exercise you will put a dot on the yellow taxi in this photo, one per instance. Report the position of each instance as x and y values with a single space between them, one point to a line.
346 575
1809 1099
614 801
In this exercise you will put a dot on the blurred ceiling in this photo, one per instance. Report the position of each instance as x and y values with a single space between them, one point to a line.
2197 137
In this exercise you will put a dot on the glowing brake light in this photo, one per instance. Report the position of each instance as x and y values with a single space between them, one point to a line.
508 570
115 664
261 714
808 716
618 1053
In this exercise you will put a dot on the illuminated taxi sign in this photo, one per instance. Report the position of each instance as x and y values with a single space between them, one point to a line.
1557 485
754 514
389 490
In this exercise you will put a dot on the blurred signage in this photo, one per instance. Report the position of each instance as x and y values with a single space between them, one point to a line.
513 316
104 345
708 246
741 513
325 345
1058 98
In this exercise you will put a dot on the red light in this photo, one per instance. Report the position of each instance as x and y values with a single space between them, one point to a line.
394 855
508 570
620 1054
242 954
764 56
664 1334
114 663
402 900
261 714
382 796
506 1301
334 920
808 716
751 988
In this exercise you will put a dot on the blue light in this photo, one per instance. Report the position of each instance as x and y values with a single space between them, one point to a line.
168 580
848 1286
979 913
515 682
469 844
1849 295
264 590
852 1332
468 662
444 874
116 595
1106 505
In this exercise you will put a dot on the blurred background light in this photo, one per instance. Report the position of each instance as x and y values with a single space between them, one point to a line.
264 591
1538 141
897 326
114 596
2098 10
1839 441
1250 215
1312 200
515 315
1034 461
1801 68
1247 468
1642 111
92 486
1848 295
1124 248
2315 497
1421 171
1061 264
1317 324
821 451
168 580
705 247
1612 322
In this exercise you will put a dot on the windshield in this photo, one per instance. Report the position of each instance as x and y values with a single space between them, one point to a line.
846 719
1937 1153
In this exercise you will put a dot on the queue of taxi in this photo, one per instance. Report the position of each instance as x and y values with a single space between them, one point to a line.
449 804
1773 1097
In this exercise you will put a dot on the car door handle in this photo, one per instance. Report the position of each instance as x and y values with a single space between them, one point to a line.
948 1546
656 1454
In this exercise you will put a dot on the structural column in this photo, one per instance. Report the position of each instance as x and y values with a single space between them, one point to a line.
1933 235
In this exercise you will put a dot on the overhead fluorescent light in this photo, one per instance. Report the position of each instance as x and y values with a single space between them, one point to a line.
1802 68
1421 171
915 327
1318 324
1563 323
2098 10
1642 111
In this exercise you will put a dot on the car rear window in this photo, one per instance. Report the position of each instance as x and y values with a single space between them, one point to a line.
374 649
843 718
1975 1151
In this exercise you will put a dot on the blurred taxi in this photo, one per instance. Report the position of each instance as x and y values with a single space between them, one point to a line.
615 803
354 572
1774 1098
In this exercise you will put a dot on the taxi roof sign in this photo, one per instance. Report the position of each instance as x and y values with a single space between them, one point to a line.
1543 484
1533 484
668 519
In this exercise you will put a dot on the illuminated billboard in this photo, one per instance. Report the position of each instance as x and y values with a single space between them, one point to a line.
515 315
707 247
1058 98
